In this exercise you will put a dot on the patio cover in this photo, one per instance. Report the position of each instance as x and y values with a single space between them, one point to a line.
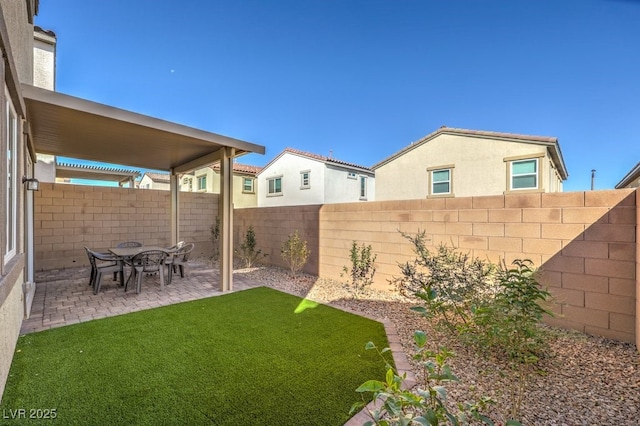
112 174
63 125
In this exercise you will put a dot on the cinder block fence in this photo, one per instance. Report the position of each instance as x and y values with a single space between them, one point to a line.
585 243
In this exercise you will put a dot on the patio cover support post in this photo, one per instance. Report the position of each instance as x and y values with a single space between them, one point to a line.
175 199
225 206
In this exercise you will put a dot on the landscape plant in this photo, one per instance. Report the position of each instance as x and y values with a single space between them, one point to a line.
215 240
495 310
362 268
423 405
507 329
295 253
448 282
248 252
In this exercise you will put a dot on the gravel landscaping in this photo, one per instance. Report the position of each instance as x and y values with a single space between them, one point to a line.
586 380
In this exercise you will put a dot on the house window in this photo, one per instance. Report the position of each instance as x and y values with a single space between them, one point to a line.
524 174
351 175
12 181
441 181
247 185
305 179
202 183
275 186
363 187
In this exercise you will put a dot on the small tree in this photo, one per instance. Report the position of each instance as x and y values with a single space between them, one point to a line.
362 269
294 251
247 251
215 240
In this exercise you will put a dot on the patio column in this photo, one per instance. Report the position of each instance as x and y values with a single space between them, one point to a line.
225 213
175 199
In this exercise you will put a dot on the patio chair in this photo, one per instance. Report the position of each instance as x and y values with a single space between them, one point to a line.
103 263
181 260
172 251
150 261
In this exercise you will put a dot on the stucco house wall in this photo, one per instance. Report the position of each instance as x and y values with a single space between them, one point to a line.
479 164
289 167
329 180
44 56
16 46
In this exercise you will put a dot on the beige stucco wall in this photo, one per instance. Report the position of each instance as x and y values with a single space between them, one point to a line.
44 61
240 198
11 315
479 167
20 37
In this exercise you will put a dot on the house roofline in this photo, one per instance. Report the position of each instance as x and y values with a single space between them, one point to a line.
633 174
550 142
326 160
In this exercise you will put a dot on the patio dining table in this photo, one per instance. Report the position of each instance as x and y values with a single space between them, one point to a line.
127 253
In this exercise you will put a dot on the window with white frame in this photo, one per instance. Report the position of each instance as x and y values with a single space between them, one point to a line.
305 179
12 179
441 181
247 185
524 174
363 187
202 183
274 186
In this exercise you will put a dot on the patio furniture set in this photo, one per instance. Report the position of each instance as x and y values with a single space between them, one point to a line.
139 260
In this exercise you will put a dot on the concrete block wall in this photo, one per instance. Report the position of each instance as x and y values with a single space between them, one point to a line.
69 217
273 225
583 242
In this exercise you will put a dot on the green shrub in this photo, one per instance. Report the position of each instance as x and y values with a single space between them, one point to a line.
496 310
215 240
295 253
448 282
247 252
362 268
424 405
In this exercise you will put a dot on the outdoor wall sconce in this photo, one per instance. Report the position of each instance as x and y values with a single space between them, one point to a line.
33 184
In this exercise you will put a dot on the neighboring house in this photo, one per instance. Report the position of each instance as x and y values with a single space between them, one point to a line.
152 180
296 178
454 162
17 157
631 179
207 179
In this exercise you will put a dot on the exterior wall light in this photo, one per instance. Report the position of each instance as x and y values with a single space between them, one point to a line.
33 184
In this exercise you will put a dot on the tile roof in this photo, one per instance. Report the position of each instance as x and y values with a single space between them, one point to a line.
240 168
323 158
158 177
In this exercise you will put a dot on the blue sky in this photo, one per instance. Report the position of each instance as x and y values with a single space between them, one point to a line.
365 78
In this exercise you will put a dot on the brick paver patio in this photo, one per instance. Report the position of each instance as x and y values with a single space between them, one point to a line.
64 296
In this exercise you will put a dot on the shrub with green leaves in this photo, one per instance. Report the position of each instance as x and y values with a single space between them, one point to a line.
449 283
424 405
362 269
507 329
295 253
215 240
495 310
248 253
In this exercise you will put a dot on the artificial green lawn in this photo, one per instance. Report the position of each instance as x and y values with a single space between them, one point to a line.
253 357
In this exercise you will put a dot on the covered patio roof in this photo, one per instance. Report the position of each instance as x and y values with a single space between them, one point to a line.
73 127
63 125
80 171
